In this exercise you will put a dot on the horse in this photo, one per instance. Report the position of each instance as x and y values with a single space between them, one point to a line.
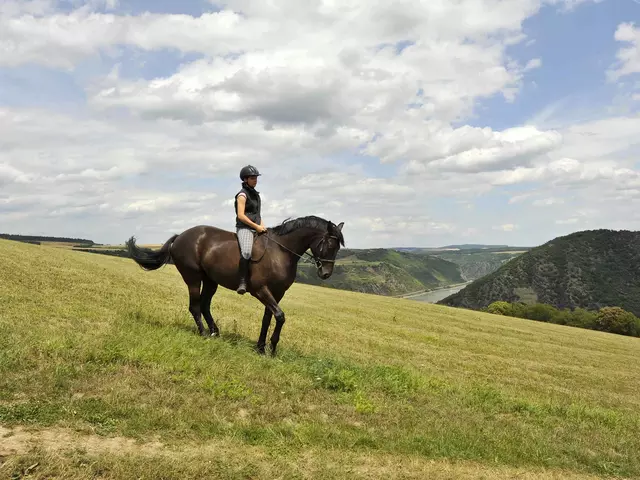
207 257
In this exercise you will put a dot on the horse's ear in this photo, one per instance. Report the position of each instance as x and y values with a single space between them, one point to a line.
340 225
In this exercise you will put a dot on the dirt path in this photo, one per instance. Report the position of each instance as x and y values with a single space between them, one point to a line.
20 441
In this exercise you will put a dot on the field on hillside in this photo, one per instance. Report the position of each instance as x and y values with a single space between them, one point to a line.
102 375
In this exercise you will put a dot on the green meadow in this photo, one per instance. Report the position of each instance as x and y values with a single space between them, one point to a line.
102 375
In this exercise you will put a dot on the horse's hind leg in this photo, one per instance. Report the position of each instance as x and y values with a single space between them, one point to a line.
209 288
194 304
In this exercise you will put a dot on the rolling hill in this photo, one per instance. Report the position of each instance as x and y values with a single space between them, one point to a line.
103 376
588 269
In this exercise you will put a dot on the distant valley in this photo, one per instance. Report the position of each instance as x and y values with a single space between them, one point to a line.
402 271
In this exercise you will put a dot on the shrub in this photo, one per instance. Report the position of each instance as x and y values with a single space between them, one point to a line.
617 320
519 310
500 308
607 319
582 318
540 312
562 317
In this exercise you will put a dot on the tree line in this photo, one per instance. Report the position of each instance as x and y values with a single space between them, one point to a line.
37 239
609 319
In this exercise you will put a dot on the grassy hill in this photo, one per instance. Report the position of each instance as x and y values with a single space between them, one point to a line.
103 376
385 272
588 269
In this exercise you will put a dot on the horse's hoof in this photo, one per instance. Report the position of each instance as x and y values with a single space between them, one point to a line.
215 334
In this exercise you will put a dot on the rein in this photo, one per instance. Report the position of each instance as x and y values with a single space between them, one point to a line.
316 260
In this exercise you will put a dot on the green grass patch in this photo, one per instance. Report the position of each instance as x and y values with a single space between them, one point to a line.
112 351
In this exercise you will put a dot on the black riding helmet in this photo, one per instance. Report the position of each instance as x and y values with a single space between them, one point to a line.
249 171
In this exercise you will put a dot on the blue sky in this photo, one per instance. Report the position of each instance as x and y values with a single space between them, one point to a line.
137 123
576 48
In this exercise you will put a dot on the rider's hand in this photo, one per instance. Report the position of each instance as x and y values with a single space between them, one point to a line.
261 229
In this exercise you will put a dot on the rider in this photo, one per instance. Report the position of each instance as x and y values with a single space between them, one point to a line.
248 220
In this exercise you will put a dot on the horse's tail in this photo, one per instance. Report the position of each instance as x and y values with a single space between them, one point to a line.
147 258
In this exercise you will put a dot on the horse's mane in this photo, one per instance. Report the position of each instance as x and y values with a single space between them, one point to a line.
311 221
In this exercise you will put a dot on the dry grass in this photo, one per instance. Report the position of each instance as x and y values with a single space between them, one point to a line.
63 453
96 351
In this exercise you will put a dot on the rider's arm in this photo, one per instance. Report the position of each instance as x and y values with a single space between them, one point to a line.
243 218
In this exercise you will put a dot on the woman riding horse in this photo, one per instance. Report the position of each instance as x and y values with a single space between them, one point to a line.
248 220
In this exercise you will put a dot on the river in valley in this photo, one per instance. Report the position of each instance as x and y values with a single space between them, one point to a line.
436 295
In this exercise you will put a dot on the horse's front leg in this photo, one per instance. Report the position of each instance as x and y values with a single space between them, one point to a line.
275 336
266 321
271 304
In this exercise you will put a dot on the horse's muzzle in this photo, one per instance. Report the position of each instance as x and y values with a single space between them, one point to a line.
323 273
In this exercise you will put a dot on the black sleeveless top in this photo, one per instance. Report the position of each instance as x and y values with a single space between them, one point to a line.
252 206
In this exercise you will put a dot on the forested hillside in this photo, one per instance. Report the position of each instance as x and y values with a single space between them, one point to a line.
588 269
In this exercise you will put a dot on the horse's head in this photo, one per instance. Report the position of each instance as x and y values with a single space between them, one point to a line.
326 249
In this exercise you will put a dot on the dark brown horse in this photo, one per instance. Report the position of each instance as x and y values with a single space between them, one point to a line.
207 257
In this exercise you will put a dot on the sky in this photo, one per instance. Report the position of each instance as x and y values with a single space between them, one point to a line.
417 123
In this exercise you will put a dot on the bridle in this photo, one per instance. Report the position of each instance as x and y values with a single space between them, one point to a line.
312 256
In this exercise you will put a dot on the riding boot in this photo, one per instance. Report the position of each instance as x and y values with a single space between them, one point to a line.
244 273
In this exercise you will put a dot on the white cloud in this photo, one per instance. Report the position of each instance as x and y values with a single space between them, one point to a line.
604 150
568 221
10 174
478 150
628 56
533 64
159 202
570 5
507 227
565 171
520 198
63 40
547 202
319 96
14 8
